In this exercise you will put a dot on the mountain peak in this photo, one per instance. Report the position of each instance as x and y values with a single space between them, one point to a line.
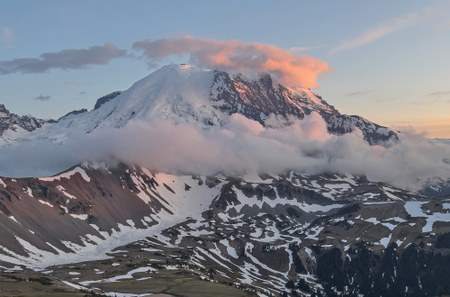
185 93
177 69
3 111
11 124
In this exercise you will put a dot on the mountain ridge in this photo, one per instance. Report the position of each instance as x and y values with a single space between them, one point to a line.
183 93
11 123
114 225
269 234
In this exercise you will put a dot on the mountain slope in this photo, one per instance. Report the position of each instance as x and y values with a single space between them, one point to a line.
183 93
288 234
260 97
266 233
89 210
11 125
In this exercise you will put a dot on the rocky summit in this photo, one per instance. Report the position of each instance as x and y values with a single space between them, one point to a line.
11 124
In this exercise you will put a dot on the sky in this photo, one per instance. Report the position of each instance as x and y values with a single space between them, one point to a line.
387 61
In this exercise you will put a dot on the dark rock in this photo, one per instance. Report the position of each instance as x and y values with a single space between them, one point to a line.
11 121
106 98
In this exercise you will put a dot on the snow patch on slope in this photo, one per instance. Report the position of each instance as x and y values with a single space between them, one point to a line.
68 175
171 191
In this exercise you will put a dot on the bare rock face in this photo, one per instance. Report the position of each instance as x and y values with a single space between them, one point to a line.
258 98
106 98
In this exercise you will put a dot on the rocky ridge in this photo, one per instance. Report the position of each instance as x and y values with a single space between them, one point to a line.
11 123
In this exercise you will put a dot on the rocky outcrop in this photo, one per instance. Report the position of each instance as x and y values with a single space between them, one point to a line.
14 122
257 99
106 98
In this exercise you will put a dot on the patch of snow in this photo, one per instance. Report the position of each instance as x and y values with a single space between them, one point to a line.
14 219
252 201
343 187
209 253
314 232
68 175
131 223
414 208
75 286
435 217
378 202
118 294
315 184
254 178
373 221
385 241
389 225
45 202
151 250
398 219
63 190
74 273
79 216
230 250
388 191
29 192
117 278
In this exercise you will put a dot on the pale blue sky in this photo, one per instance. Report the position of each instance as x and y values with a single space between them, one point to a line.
390 60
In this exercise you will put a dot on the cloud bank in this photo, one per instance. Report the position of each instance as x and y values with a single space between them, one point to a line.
64 59
291 69
241 146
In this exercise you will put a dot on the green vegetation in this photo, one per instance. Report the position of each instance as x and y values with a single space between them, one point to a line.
34 285
179 283
170 282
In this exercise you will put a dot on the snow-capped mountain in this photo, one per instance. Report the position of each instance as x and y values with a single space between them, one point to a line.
12 125
184 93
131 230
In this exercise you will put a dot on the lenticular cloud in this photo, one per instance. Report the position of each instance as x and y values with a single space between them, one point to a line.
290 69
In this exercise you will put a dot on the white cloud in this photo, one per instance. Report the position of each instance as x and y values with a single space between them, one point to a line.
379 32
64 59
242 145
289 68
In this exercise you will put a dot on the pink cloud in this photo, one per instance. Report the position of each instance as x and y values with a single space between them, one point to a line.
292 70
